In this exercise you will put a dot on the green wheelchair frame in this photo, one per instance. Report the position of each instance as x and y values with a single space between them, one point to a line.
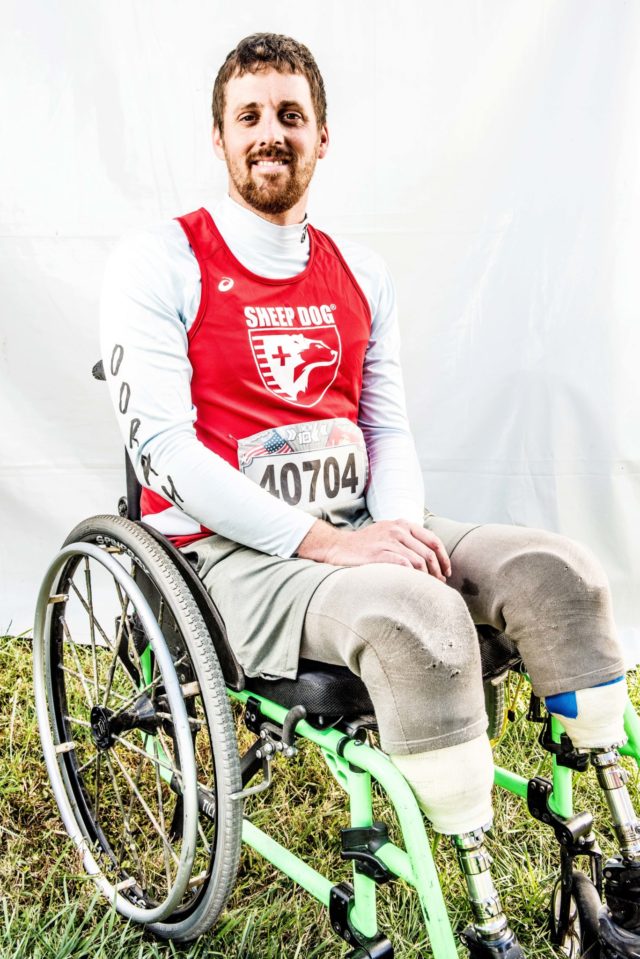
354 764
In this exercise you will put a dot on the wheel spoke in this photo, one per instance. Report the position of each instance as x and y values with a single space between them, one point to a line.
83 601
152 819
86 765
123 606
124 603
205 841
167 749
145 689
77 675
80 674
195 723
152 759
167 862
129 842
78 722
131 795
116 654
97 789
92 628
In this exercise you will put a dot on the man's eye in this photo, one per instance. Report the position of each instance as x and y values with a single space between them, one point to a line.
291 117
247 117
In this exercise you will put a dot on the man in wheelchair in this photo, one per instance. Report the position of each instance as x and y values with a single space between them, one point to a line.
253 362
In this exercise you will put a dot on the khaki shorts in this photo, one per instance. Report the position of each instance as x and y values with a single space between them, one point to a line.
411 637
263 599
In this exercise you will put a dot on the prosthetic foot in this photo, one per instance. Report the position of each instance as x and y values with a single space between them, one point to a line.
621 929
490 936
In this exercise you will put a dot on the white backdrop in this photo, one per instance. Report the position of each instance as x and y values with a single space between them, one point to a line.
489 149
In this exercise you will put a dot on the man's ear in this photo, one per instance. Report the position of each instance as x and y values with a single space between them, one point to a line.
324 141
216 139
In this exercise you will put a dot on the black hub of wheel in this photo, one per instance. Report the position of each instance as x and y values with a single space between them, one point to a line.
101 727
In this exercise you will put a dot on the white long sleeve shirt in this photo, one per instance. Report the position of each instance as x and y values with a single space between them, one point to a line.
150 298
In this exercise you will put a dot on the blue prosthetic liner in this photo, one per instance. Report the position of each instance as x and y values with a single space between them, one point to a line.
593 717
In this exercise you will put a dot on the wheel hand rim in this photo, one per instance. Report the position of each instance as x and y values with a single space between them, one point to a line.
55 759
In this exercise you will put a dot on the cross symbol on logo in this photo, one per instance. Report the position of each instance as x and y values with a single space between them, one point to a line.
281 355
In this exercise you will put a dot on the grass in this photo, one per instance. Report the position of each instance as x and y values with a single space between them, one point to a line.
48 908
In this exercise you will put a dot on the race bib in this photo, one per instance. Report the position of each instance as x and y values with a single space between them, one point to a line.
322 464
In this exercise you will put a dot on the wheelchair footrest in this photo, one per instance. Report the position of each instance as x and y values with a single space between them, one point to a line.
616 942
507 947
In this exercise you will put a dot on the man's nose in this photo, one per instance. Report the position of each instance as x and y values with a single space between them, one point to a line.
270 129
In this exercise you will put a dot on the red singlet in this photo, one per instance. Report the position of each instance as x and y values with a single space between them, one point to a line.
277 371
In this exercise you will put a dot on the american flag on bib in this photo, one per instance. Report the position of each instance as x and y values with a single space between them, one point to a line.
272 444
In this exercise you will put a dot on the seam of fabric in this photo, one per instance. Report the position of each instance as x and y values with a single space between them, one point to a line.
608 673
444 737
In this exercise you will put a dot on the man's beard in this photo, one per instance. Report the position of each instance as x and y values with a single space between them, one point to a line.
277 193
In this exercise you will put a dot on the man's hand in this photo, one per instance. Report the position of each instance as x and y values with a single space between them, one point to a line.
387 541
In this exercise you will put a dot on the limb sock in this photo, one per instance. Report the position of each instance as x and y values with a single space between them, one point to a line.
592 718
452 785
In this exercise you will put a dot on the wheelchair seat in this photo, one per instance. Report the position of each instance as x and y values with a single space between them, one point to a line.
330 693
327 692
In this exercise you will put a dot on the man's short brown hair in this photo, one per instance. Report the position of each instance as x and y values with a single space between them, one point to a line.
261 51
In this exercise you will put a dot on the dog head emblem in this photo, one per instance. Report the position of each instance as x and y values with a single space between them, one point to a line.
297 367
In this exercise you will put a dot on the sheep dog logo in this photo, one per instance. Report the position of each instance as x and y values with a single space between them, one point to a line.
296 367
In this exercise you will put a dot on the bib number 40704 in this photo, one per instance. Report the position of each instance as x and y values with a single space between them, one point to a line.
320 464
320 480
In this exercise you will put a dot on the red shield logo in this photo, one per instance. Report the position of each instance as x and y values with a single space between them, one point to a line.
300 365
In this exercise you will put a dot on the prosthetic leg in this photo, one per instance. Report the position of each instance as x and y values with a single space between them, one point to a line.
620 927
490 934
591 716
456 808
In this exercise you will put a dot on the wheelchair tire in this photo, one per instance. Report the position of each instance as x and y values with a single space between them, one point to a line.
495 703
582 937
216 770
100 745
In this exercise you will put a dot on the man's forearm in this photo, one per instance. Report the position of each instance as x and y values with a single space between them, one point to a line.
318 542
221 498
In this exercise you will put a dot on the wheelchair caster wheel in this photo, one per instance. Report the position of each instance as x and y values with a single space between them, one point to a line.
578 935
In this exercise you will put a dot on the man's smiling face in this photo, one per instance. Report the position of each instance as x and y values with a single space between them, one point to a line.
270 141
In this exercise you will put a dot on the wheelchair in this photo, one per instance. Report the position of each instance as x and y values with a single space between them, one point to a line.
134 685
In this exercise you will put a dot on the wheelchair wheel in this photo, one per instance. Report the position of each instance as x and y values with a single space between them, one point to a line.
581 938
495 703
122 637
